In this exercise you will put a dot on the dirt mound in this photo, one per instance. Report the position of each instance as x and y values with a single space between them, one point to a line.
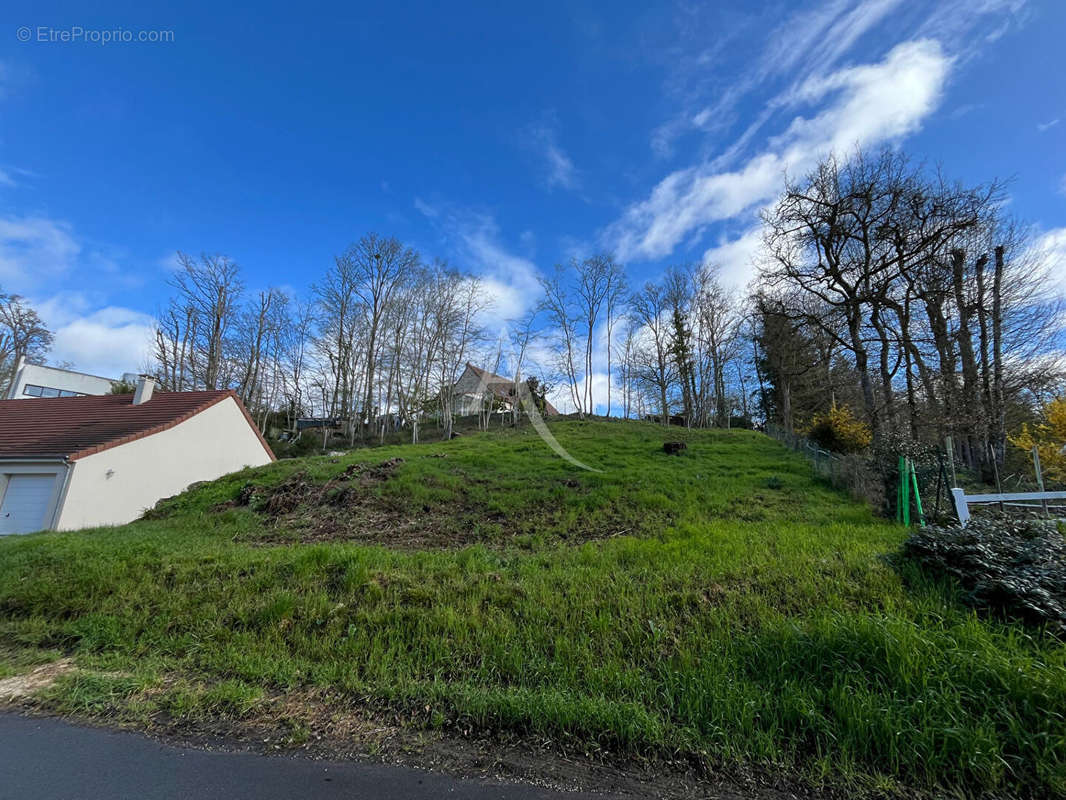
352 507
349 508
346 507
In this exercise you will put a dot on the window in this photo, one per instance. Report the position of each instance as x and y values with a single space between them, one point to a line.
33 390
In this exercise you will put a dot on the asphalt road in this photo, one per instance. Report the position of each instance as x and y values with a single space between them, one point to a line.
48 759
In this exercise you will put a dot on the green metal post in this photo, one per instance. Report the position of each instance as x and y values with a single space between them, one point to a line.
917 497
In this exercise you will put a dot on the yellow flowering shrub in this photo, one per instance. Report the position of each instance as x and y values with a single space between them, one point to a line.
1049 437
839 430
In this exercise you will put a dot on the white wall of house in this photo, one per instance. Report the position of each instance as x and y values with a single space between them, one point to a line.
117 485
54 378
468 393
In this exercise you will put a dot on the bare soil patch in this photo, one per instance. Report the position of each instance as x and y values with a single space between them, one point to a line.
351 508
25 685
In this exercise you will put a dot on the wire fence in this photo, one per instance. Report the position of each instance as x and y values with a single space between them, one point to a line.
850 473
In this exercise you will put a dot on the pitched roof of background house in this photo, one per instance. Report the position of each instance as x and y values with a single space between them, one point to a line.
75 427
489 378
503 386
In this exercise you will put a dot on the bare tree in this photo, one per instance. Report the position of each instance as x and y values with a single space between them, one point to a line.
380 265
522 334
717 325
558 307
653 364
209 292
23 335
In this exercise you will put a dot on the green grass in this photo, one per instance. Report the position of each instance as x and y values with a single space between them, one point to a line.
734 610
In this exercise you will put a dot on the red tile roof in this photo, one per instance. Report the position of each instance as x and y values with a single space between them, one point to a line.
75 427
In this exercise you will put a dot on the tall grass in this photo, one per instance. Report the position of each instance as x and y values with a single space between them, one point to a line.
761 625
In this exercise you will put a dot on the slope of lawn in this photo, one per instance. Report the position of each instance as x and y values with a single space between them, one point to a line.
721 606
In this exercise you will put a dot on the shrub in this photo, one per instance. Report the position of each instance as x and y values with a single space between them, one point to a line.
1016 566
838 430
1049 437
307 445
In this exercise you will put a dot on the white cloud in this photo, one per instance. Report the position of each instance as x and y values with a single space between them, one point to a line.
737 257
815 42
1046 126
36 253
34 250
509 280
1049 249
867 105
804 44
107 340
560 396
560 169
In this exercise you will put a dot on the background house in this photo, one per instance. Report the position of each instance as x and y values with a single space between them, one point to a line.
469 392
76 462
35 380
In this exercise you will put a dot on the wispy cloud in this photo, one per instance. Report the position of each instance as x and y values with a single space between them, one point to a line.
964 110
15 176
559 169
809 43
862 105
1046 126
34 250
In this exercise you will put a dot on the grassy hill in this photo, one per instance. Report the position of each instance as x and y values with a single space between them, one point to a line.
721 606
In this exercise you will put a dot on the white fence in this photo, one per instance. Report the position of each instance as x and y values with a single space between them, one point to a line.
1013 499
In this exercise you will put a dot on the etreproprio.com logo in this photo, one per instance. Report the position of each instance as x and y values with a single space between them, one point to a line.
78 34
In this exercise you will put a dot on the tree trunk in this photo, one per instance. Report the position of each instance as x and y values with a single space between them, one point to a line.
999 425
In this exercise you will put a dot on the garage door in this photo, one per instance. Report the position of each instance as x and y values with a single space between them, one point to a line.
26 502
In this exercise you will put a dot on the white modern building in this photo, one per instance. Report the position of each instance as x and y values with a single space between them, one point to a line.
77 462
35 380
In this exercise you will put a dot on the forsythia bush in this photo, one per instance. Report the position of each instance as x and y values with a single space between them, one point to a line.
1049 437
840 431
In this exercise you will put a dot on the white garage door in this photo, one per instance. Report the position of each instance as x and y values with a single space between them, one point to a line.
26 502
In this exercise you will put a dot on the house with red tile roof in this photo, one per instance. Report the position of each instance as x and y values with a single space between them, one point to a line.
78 462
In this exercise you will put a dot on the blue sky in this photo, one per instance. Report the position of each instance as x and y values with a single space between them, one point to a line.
503 137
